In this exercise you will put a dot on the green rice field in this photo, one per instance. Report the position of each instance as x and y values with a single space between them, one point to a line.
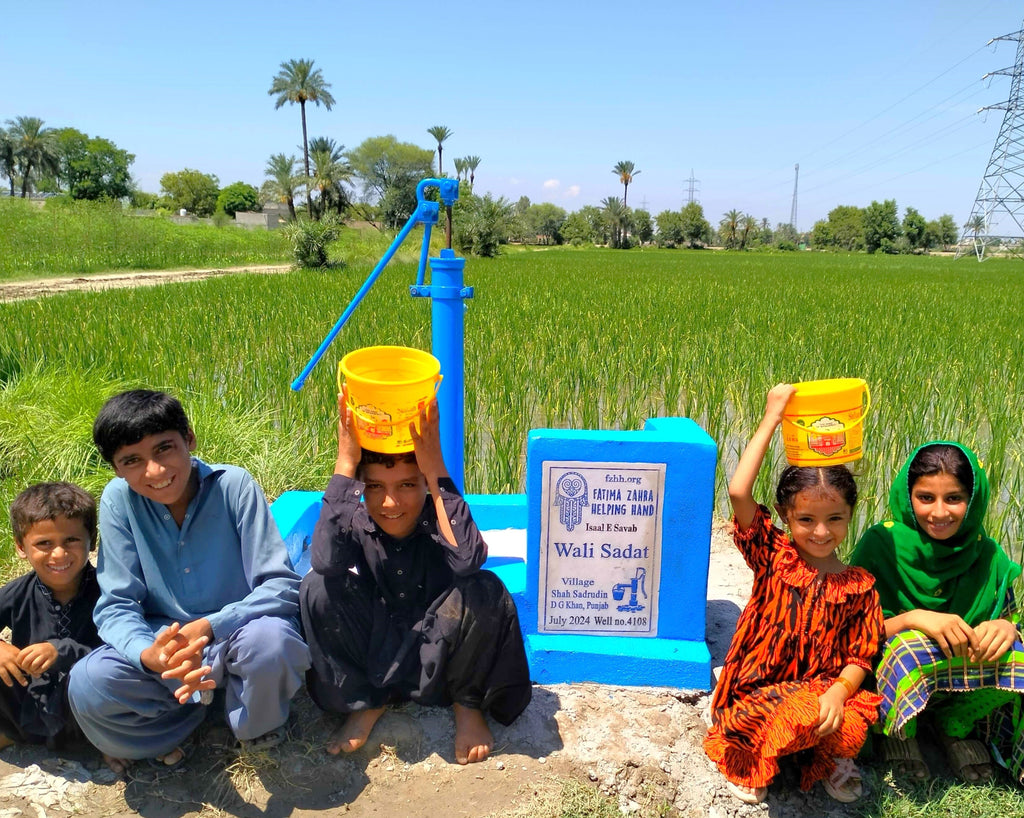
558 338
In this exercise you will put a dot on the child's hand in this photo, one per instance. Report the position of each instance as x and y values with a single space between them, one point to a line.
954 636
38 658
830 711
427 444
995 638
775 405
10 670
349 450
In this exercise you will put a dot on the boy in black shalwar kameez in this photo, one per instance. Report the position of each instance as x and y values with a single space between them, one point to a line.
396 607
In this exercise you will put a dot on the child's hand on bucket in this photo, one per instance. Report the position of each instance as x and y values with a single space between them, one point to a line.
349 450
778 397
427 443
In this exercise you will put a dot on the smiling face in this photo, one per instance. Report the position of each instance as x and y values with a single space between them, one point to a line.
57 550
818 520
159 467
940 504
394 496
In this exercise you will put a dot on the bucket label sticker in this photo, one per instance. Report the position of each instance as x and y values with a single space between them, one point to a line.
373 422
824 443
600 548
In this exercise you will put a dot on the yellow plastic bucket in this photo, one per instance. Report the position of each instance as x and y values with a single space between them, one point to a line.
823 424
387 387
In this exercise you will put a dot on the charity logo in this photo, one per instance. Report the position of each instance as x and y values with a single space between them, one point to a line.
570 498
825 443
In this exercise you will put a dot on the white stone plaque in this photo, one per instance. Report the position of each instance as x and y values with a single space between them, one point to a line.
600 548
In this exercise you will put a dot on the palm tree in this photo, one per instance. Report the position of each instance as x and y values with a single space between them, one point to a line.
729 227
34 149
281 179
440 133
298 81
748 226
615 214
8 159
976 224
626 170
331 172
471 165
460 168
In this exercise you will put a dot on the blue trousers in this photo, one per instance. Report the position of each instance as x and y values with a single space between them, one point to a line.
130 713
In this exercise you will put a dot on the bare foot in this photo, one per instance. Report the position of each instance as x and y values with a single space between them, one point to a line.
354 732
173 758
119 766
5 741
473 739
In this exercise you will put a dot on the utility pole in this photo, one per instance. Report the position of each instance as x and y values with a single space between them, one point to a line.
792 210
694 191
997 218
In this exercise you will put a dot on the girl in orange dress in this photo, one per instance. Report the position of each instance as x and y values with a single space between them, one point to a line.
807 638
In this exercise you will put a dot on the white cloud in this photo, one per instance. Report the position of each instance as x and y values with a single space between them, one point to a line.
572 191
552 184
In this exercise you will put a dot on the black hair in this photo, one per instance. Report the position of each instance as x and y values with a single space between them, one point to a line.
387 459
127 418
941 458
795 479
48 501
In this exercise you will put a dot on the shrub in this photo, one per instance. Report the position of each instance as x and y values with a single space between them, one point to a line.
310 239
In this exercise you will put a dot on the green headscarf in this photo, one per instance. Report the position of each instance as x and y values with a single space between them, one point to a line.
967 574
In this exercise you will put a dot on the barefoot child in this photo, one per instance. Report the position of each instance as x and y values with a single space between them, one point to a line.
806 639
953 655
197 593
396 606
49 611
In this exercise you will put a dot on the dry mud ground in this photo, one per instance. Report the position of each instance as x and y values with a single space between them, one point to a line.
640 745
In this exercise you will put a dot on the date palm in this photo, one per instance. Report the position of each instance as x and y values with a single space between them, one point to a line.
616 217
281 179
35 150
625 170
331 172
440 133
460 168
472 162
298 81
728 228
8 160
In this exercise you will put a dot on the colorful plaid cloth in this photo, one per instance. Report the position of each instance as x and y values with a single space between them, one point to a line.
914 673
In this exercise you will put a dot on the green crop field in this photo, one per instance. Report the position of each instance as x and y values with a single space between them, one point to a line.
561 338
90 237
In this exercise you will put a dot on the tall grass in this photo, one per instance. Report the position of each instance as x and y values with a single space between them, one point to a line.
584 339
86 237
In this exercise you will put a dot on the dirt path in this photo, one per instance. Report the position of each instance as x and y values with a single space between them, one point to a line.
36 288
640 745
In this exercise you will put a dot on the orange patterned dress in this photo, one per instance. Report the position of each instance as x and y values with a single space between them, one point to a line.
798 631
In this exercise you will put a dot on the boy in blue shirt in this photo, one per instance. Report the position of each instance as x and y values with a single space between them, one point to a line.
197 593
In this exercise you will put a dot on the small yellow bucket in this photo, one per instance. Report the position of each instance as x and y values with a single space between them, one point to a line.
387 387
823 424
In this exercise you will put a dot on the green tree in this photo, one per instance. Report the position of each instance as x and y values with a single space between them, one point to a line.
696 229
625 170
577 230
482 224
748 231
238 197
282 181
976 224
472 163
914 229
881 226
729 229
8 158
670 228
643 226
389 171
91 167
946 231
544 222
785 232
616 217
460 168
844 229
440 133
192 190
34 149
298 81
331 172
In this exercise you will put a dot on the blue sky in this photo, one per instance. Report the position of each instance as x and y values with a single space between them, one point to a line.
874 100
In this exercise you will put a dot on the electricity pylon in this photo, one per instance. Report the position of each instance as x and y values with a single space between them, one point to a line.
997 218
792 211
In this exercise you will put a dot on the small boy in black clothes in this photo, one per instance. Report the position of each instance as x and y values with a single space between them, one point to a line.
396 606
49 611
